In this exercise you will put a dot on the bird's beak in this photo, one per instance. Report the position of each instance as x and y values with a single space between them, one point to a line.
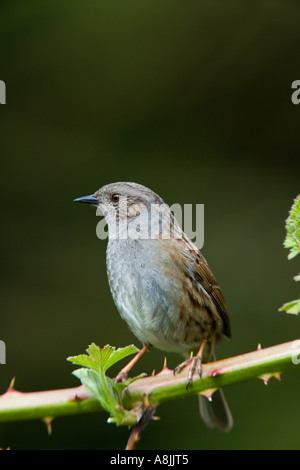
92 199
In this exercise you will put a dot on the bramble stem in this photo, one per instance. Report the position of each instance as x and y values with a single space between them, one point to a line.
16 406
153 390
262 363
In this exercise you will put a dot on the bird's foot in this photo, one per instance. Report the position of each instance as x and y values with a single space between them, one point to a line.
194 362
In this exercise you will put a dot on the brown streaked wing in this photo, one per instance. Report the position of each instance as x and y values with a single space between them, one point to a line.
207 280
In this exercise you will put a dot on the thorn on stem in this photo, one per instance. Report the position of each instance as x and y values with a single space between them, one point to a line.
209 393
216 372
48 421
11 387
76 398
165 368
266 377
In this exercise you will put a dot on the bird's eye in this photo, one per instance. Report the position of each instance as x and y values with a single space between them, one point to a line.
115 197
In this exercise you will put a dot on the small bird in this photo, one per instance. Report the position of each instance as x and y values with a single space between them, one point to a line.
162 285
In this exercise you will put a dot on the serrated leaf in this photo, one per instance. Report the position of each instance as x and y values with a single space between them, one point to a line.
105 354
92 375
294 251
292 240
102 358
119 354
83 360
292 307
96 354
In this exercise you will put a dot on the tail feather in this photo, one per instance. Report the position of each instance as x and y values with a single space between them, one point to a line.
216 413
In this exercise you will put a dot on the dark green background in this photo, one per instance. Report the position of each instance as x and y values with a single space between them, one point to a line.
192 99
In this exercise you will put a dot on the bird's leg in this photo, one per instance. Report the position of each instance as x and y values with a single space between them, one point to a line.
193 361
123 374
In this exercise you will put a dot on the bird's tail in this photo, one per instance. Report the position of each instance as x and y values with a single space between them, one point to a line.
216 413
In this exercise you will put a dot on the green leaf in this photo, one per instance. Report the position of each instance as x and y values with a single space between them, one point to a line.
120 353
92 383
292 307
83 360
93 376
292 240
102 358
96 354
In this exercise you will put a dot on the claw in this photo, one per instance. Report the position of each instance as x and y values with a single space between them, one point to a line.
194 362
181 366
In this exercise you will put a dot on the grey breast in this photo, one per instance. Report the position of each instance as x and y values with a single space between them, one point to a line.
145 298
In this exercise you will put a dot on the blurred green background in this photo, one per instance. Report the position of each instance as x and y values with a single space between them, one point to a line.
192 99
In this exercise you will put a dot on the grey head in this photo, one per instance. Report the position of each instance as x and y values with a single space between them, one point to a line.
123 202
117 194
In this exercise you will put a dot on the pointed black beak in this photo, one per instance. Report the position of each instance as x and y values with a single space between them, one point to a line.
92 199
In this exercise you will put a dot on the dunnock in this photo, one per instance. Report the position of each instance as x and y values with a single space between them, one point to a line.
162 285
